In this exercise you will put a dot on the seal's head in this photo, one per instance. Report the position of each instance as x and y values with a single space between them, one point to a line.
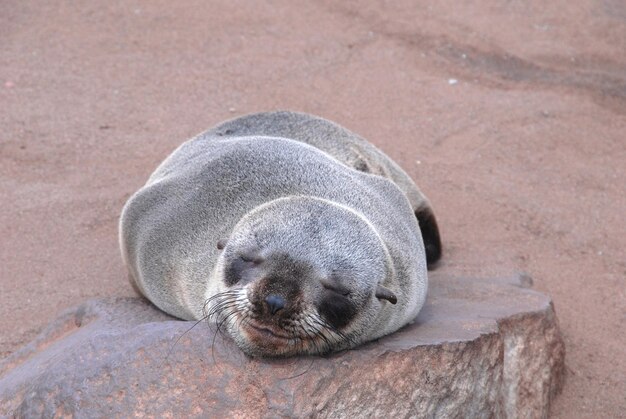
300 275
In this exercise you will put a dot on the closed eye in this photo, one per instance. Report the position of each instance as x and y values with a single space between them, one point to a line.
337 289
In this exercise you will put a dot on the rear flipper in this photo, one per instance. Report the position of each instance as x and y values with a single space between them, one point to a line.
430 235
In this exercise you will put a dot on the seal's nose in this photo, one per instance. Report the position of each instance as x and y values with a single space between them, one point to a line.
275 303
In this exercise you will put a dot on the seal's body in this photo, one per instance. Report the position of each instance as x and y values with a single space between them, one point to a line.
295 234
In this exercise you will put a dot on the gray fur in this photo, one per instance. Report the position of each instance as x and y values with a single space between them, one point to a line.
288 182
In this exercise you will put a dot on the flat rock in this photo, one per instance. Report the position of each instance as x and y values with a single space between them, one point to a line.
479 348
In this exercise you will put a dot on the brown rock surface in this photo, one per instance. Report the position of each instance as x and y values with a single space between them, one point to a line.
524 157
478 349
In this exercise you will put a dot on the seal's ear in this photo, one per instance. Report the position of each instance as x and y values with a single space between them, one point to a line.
221 243
383 293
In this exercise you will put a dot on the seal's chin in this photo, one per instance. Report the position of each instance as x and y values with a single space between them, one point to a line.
266 331
264 340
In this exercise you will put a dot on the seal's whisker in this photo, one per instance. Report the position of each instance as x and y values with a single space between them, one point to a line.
218 330
337 334
222 307
312 341
169 352
319 332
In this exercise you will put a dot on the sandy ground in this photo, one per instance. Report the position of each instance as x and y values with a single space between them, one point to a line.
511 116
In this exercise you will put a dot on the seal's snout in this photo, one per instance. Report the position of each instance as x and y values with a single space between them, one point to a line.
274 303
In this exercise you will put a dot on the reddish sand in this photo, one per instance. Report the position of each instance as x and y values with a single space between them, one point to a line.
511 116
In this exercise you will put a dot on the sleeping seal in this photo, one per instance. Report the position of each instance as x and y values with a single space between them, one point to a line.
295 235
